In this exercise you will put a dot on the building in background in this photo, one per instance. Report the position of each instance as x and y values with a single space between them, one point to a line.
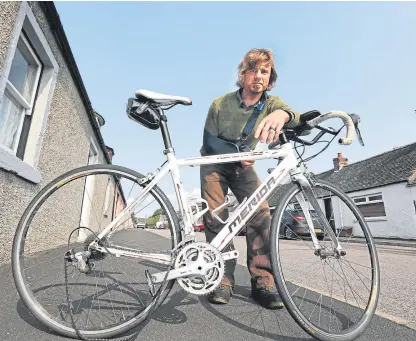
47 123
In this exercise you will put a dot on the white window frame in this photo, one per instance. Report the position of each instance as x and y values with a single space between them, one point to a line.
27 107
368 201
26 168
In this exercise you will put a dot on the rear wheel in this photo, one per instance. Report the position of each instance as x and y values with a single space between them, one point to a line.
112 295
332 297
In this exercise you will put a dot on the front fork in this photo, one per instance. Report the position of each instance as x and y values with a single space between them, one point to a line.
307 190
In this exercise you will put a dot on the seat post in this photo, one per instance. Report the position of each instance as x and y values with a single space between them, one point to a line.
164 129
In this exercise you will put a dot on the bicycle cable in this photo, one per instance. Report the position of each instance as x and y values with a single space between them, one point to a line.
303 152
328 143
315 155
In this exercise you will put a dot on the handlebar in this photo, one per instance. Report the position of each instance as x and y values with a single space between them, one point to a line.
350 122
323 131
342 115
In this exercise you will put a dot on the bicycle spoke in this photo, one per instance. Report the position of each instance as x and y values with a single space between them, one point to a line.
357 272
352 291
331 292
105 294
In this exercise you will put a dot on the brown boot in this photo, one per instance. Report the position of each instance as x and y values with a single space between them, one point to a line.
221 295
266 297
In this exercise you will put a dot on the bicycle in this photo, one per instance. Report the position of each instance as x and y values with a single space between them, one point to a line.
197 267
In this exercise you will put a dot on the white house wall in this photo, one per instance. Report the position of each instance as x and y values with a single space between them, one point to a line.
400 219
65 145
413 196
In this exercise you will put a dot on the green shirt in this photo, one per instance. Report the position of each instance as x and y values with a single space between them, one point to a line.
228 115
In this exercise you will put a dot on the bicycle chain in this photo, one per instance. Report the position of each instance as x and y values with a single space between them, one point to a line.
151 310
125 248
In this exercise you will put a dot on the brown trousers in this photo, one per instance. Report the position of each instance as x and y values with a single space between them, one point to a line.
215 182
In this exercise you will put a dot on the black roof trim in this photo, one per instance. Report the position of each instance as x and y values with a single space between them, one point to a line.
57 28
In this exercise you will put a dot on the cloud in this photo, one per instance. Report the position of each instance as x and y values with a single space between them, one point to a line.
195 193
172 197
192 195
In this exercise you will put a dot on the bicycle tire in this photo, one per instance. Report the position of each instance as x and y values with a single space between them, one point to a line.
20 235
283 199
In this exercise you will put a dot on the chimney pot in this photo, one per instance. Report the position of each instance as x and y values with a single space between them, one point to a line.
340 162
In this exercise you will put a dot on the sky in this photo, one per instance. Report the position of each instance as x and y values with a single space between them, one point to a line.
352 56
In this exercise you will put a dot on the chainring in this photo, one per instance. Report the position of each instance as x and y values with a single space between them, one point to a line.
208 257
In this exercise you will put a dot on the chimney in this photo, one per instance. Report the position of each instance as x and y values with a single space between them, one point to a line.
340 162
110 153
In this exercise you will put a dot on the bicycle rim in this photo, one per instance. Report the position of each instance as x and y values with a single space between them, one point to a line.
38 253
331 298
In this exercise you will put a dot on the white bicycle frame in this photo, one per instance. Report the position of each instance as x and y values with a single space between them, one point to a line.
235 223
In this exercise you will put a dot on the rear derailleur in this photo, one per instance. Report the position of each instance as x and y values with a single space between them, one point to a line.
80 260
83 260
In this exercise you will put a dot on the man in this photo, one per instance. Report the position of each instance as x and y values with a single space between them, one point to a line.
227 119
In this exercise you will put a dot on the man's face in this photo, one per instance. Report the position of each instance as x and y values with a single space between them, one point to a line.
257 79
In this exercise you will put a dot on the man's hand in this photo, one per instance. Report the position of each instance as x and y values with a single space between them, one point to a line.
247 163
269 128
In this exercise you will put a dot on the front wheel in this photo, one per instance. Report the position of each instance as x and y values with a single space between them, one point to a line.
332 297
110 294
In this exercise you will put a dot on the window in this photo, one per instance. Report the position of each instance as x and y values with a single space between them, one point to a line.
27 83
371 205
19 96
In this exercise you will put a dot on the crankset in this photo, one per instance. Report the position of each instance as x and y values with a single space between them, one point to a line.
198 267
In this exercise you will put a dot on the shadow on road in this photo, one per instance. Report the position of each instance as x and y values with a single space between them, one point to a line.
242 312
167 313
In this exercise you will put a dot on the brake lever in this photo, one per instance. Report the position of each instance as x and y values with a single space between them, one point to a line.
360 138
356 119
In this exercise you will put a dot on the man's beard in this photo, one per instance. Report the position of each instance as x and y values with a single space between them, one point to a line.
256 90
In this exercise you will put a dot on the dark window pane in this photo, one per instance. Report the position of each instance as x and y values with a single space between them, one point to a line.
375 197
18 71
23 71
373 210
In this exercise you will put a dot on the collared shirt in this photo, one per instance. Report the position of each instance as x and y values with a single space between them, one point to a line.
259 104
228 116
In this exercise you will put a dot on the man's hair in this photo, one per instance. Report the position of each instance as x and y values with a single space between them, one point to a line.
250 61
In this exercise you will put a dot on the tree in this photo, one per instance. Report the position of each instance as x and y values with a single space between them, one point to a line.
134 218
158 212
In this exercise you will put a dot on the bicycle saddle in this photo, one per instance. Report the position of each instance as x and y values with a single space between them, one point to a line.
161 99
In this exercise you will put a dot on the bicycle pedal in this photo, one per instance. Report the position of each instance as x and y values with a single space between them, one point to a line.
150 283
